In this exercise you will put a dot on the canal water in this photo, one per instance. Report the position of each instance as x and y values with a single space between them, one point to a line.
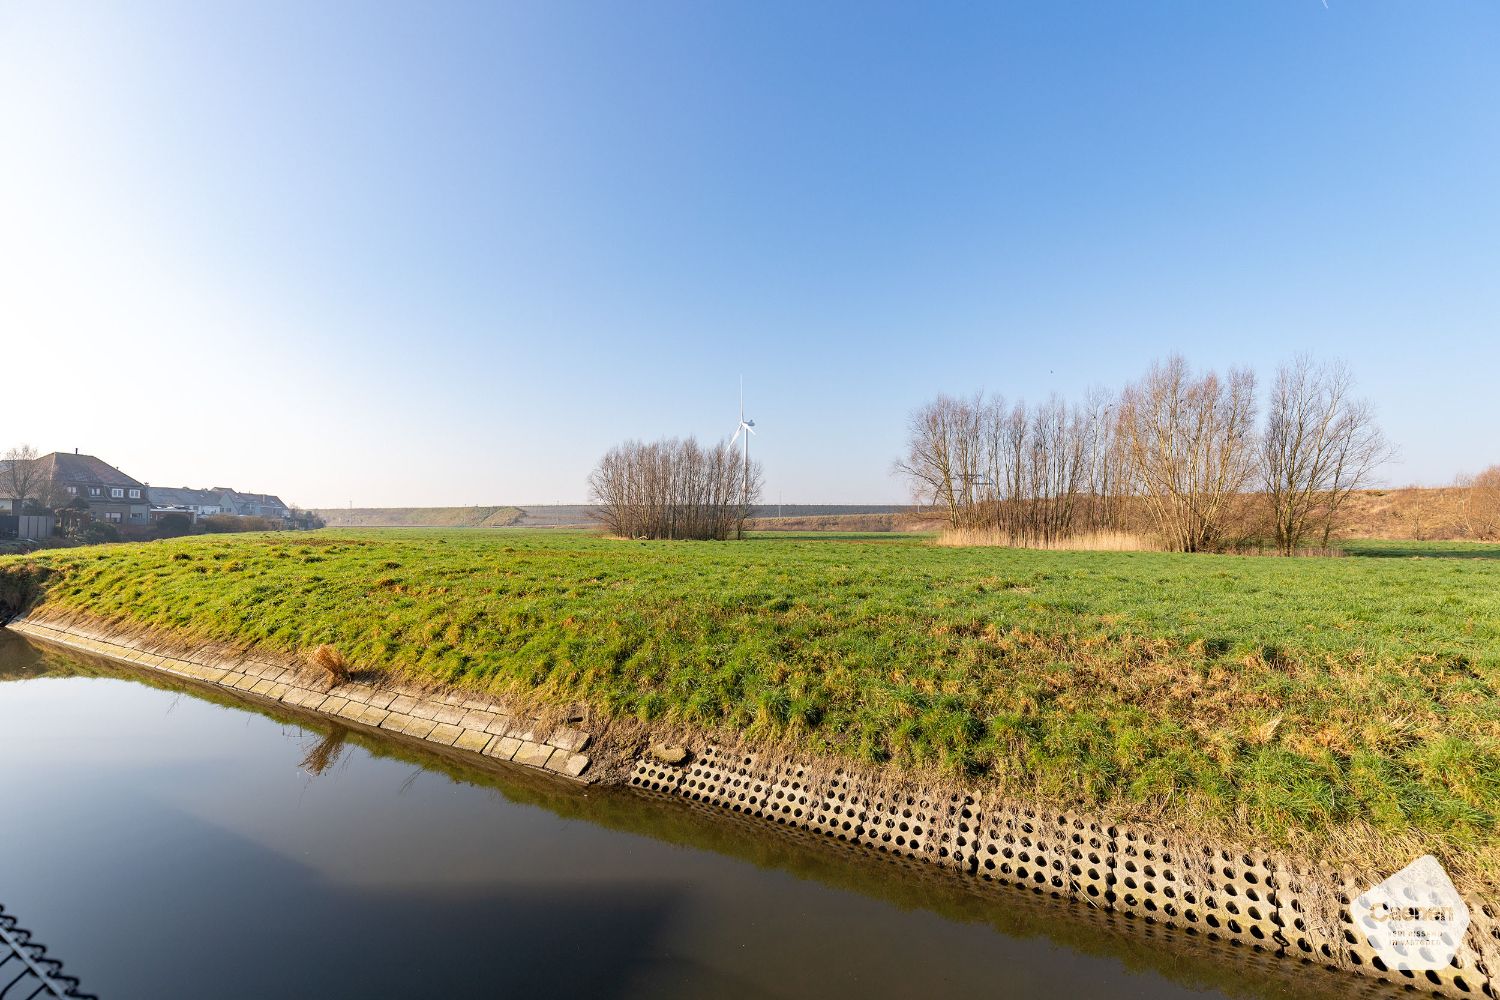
165 841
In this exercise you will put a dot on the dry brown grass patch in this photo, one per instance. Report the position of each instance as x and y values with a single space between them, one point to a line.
331 662
1089 541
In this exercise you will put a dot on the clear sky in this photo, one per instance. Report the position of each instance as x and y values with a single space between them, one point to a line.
448 254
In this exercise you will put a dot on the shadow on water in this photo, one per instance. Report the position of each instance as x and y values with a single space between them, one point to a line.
597 940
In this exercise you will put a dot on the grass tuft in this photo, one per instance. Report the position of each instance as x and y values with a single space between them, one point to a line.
331 662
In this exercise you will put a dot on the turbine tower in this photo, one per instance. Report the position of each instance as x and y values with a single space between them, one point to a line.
746 427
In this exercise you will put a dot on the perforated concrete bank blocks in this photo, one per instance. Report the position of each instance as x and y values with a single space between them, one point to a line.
468 725
1255 906
1327 934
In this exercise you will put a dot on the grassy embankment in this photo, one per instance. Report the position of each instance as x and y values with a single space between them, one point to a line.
420 517
1305 701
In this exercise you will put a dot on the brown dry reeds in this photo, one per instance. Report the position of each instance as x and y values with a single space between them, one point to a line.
332 663
1086 541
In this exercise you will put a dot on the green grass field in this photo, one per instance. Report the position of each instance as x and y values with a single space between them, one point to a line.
1267 695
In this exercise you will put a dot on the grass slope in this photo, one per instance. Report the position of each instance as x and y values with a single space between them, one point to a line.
420 517
1275 697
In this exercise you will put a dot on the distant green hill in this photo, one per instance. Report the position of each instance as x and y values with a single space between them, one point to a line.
420 517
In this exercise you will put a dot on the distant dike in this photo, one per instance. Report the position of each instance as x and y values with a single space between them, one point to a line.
1278 913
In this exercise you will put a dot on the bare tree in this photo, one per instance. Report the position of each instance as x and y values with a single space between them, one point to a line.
22 476
1190 445
1480 503
1319 446
673 489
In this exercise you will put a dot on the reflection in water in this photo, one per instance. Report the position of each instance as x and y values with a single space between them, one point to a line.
325 752
27 970
178 848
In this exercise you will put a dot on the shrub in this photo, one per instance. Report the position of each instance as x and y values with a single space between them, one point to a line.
173 525
1481 503
100 532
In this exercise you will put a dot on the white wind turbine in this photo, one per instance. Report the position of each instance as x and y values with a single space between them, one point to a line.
746 427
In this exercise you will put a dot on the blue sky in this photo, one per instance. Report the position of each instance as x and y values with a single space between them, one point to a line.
449 254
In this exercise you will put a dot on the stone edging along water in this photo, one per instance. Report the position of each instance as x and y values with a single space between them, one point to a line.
1280 908
480 726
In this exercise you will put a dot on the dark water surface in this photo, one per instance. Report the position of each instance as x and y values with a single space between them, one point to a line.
168 842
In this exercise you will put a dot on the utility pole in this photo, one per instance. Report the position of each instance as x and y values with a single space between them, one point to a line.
746 427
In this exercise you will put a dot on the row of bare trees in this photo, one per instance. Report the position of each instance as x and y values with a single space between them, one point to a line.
1178 450
1036 473
674 488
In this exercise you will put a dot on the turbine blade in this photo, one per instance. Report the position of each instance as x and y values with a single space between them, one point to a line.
750 428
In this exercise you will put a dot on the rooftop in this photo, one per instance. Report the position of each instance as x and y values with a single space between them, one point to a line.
85 470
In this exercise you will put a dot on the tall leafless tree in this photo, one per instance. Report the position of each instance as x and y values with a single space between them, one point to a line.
1190 444
673 488
1106 491
1320 445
